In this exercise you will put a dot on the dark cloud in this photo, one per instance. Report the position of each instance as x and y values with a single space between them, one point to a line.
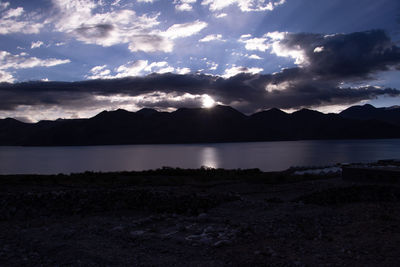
95 31
342 56
331 60
245 91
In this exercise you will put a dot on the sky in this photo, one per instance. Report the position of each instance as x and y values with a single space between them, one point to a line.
75 58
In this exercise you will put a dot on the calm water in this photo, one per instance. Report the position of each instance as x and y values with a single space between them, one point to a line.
268 156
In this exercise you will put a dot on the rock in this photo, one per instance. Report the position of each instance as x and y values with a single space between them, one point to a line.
117 228
137 233
221 243
202 217
193 237
209 229
271 252
205 240
181 228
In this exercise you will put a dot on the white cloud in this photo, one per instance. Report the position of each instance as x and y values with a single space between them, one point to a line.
13 12
270 87
142 67
184 5
78 18
244 36
238 69
15 20
115 3
21 61
4 5
133 68
100 72
244 5
145 1
6 77
183 70
221 15
318 49
273 41
212 65
97 69
212 37
36 44
259 44
215 5
159 67
254 56
281 50
185 29
276 36
81 19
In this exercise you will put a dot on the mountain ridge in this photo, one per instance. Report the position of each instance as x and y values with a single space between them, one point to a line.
201 125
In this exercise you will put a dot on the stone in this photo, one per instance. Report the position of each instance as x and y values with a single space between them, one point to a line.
221 243
137 233
202 217
118 228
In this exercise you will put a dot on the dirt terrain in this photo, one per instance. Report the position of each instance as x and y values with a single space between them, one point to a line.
312 221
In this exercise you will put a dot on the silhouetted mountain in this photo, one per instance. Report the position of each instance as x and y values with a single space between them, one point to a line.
147 111
217 124
369 112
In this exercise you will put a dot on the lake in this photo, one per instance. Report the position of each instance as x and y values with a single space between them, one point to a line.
267 156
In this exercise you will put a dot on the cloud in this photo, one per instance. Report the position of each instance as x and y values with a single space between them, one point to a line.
15 20
13 13
78 18
244 91
22 61
235 70
133 68
6 77
316 83
185 29
244 5
220 15
83 20
254 56
212 37
164 101
4 5
150 43
346 56
100 72
318 49
212 65
258 44
36 44
184 5
183 70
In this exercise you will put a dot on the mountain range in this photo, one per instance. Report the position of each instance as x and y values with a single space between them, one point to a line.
203 125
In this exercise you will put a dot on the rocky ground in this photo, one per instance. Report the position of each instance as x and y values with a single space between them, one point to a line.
319 222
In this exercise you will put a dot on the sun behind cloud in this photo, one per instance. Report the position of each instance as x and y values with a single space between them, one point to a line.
208 101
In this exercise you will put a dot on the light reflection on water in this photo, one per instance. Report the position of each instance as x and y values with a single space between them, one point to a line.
267 156
209 157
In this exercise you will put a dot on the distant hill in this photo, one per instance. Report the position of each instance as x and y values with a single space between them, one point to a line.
217 124
369 112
